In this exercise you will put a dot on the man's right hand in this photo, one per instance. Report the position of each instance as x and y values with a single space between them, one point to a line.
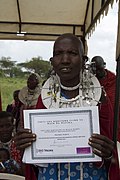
24 138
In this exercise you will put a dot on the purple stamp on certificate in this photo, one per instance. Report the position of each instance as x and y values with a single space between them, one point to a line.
83 150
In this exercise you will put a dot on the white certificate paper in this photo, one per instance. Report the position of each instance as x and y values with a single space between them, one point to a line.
62 134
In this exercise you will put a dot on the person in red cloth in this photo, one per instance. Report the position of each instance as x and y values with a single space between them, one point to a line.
107 80
73 86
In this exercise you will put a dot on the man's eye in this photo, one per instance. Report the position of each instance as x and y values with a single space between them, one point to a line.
73 53
57 53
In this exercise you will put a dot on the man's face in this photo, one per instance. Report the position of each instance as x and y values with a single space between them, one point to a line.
32 82
98 69
6 129
67 61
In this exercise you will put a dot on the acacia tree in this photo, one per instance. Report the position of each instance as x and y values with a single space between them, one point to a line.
37 65
6 66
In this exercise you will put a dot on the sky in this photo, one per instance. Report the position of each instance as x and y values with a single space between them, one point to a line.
102 42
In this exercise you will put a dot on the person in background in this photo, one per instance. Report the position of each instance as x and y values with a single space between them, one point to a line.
14 108
29 94
7 164
64 91
7 137
107 80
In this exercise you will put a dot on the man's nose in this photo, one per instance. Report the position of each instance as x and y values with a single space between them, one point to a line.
65 58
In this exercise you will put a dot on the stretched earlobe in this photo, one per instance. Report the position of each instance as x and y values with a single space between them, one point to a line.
85 58
104 64
51 60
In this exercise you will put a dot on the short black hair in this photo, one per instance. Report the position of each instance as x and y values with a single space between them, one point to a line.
5 114
98 59
6 150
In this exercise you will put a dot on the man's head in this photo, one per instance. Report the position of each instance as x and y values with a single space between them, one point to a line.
98 66
6 126
67 58
33 81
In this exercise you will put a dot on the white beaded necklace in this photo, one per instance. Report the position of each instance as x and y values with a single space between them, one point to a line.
70 88
66 87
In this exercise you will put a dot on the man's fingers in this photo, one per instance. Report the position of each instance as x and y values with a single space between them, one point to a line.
24 138
102 146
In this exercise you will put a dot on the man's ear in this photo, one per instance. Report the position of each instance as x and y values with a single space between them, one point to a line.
51 60
85 59
104 64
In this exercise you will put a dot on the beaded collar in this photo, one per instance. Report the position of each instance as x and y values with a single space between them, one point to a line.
89 93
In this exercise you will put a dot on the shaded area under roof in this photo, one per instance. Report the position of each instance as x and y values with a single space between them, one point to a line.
46 20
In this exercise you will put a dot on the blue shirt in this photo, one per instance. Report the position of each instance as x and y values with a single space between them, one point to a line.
88 171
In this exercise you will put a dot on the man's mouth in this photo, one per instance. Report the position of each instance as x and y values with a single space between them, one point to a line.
65 69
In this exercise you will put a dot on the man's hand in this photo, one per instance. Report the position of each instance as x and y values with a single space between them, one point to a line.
102 146
24 138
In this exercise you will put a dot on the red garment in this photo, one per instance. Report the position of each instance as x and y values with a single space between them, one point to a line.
109 84
106 128
30 173
106 124
14 152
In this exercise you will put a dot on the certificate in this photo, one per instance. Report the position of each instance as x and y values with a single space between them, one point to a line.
62 134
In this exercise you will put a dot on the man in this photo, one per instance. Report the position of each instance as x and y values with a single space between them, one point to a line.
107 80
65 91
29 94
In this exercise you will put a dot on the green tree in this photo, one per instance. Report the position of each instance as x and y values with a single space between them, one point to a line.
17 72
6 65
37 65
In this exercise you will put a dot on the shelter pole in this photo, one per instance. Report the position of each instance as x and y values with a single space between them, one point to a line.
117 93
117 101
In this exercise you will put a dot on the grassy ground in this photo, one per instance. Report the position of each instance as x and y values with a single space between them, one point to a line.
8 85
